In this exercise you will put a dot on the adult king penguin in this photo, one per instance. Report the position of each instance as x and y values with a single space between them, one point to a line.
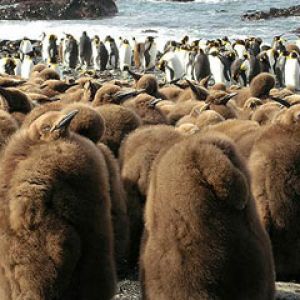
150 53
25 47
292 71
85 50
96 52
171 65
218 69
125 54
27 66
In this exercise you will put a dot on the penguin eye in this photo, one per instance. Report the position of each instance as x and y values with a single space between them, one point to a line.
46 128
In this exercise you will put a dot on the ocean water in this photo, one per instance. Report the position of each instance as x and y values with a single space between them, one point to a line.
200 19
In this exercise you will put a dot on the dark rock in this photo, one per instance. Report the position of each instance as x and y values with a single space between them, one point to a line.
181 0
56 9
149 31
296 31
272 13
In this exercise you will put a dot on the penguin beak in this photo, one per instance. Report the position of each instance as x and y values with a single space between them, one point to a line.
66 121
227 98
153 102
122 96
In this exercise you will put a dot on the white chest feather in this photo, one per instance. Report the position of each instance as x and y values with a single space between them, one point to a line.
292 73
217 69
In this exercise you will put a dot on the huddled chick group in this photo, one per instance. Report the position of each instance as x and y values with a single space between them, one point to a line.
196 185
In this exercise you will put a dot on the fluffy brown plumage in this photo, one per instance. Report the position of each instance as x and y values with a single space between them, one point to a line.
141 105
203 234
275 165
8 126
136 158
119 122
56 235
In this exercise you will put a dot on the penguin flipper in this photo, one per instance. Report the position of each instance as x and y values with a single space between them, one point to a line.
147 58
226 68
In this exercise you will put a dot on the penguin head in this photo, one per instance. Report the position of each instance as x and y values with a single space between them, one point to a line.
293 55
51 126
150 39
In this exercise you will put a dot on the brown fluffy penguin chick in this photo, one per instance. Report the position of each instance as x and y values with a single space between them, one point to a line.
261 85
10 82
275 165
149 83
142 106
187 128
242 96
193 115
40 110
246 112
37 98
182 109
218 102
119 122
202 232
171 93
136 158
14 100
289 117
265 113
56 235
59 86
163 106
242 132
293 99
194 92
89 123
8 126
281 93
119 212
39 68
105 94
48 74
219 87
208 117
85 94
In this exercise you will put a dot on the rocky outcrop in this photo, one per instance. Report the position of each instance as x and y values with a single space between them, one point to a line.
272 13
56 9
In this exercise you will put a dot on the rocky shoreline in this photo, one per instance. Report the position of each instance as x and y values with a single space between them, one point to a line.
272 13
56 10
131 290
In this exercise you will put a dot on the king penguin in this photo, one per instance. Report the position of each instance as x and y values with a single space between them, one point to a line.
125 54
280 67
45 45
292 71
218 69
150 53
27 66
18 66
25 47
171 65
240 48
104 56
96 52
114 54
201 66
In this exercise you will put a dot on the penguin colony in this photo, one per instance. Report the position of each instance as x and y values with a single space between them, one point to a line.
192 181
227 62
